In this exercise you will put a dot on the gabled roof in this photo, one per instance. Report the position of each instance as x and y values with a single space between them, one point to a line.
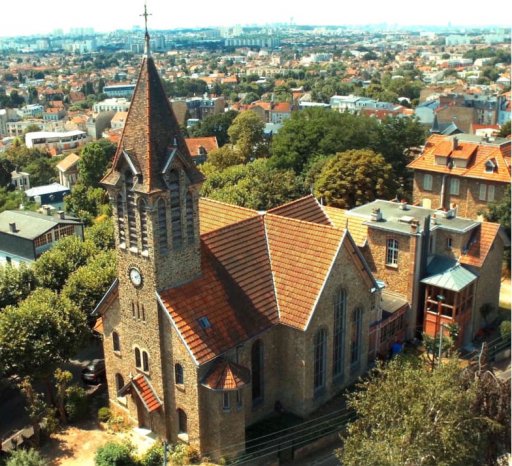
209 143
258 270
30 225
150 134
226 375
480 244
68 162
143 388
355 225
470 148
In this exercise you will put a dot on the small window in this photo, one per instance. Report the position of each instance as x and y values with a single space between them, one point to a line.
490 193
490 166
145 361
119 381
178 374
449 243
143 312
427 182
204 322
115 341
392 252
138 363
182 421
454 186
483 192
133 309
225 401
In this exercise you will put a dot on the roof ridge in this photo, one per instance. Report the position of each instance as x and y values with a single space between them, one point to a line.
305 222
291 203
209 199
274 288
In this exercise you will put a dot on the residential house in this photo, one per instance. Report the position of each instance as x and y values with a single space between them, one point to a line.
443 266
25 235
199 148
68 170
20 180
51 194
463 171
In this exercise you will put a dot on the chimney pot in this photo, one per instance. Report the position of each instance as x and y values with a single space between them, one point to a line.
12 227
62 214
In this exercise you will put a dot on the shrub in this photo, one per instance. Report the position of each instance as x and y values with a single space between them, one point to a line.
154 456
505 329
115 454
183 454
76 403
104 414
26 458
116 424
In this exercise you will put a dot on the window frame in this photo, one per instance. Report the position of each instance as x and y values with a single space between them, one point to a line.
179 374
454 186
482 192
116 342
319 360
340 311
427 185
392 250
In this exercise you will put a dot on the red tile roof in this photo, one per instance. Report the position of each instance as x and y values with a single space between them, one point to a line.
306 208
227 375
146 393
475 154
215 214
480 244
208 143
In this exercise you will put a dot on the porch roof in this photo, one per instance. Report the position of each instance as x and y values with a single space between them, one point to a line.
448 274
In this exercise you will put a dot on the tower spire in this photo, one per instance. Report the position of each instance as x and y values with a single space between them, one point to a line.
146 33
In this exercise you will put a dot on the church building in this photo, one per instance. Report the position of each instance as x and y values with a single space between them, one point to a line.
220 313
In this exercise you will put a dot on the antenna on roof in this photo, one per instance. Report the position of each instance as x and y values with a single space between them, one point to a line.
146 33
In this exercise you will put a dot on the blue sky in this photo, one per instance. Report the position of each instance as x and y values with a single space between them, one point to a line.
36 16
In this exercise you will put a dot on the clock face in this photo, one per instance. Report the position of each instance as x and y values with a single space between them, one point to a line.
135 276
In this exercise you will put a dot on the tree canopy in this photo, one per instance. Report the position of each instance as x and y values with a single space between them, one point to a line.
42 331
410 415
95 157
215 125
354 178
16 283
246 135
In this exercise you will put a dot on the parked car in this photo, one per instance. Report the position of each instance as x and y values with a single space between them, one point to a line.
94 372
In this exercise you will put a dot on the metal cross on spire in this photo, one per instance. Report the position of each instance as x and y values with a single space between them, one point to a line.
146 34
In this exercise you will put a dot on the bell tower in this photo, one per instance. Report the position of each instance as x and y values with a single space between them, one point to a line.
153 187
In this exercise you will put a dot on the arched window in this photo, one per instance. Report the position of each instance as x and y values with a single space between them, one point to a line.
145 361
120 220
320 353
115 341
162 226
190 218
340 309
257 370
138 363
130 209
174 187
182 421
178 374
355 344
119 382
143 214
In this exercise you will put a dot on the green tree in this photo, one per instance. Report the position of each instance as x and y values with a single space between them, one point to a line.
354 178
255 185
10 200
224 157
41 332
16 283
504 130
95 157
101 233
410 415
62 380
32 129
216 125
246 135
28 457
54 266
499 211
115 454
6 167
87 203
88 284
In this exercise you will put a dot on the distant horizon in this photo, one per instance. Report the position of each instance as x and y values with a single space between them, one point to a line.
44 18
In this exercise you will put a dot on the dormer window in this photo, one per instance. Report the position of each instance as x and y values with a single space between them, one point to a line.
490 166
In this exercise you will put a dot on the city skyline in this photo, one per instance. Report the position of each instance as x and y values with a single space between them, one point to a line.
224 13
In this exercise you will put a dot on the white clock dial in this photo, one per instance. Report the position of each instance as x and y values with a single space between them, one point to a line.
135 277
